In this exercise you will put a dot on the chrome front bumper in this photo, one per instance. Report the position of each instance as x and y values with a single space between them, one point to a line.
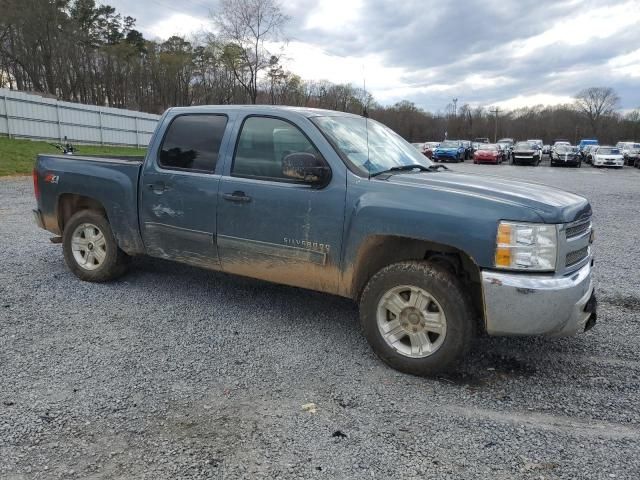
530 304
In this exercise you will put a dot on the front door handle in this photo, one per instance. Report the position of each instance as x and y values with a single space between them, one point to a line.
237 196
158 187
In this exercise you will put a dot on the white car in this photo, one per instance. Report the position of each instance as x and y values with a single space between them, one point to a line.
630 151
605 156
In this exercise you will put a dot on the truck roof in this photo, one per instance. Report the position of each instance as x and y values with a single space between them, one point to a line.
265 109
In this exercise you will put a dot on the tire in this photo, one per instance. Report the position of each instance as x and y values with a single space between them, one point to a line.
114 261
579 165
553 164
446 299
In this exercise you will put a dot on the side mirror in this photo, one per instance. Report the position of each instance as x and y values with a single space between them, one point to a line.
306 167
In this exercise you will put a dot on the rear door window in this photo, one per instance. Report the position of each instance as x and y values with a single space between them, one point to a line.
192 143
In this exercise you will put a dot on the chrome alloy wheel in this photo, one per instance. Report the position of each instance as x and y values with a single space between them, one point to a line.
89 246
411 321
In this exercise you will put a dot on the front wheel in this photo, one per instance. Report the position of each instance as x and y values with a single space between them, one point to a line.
417 318
90 248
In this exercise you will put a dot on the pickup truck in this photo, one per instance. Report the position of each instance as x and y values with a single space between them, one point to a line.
336 203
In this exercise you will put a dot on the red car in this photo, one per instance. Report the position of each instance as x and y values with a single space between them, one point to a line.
428 147
488 153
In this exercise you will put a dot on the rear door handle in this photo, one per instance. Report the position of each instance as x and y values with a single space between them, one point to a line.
237 196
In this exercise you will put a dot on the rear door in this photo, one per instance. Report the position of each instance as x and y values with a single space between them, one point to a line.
179 190
274 228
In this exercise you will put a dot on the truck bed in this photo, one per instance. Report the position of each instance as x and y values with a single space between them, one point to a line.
111 181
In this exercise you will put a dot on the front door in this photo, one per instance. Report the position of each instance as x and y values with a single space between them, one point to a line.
274 228
179 191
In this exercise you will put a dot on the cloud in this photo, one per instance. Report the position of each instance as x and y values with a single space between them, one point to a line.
483 52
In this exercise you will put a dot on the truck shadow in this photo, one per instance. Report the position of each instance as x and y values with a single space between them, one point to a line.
491 360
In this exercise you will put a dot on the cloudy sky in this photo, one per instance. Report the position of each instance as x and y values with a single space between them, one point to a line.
508 53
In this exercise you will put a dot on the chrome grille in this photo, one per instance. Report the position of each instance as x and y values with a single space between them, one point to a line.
574 245
577 256
577 230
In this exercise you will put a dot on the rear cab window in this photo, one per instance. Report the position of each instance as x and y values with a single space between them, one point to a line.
192 143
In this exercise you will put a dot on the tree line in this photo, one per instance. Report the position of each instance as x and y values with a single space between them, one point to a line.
80 51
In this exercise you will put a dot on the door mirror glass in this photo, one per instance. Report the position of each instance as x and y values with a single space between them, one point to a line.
306 167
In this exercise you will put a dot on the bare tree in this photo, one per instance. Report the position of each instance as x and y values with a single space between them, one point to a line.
247 25
595 103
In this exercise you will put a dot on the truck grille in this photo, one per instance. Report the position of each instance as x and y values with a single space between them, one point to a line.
575 244
577 256
577 230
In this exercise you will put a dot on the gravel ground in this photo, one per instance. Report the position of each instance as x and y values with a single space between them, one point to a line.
175 372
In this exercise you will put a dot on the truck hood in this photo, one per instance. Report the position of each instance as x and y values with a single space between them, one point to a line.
551 204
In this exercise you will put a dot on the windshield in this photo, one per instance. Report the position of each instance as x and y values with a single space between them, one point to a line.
449 144
488 147
565 149
386 149
523 146
608 151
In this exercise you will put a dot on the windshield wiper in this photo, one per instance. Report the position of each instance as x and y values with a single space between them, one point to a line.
434 168
403 168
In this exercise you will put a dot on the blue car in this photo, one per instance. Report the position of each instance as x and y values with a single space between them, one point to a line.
449 151
586 141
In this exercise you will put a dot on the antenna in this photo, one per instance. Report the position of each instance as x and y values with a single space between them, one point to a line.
365 114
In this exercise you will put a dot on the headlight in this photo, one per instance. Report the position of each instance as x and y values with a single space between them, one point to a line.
526 246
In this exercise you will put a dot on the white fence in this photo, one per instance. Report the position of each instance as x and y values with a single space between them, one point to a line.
32 116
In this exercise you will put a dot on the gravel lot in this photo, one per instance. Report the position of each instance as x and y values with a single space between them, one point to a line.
175 372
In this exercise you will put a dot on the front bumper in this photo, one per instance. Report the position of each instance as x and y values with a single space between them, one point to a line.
536 304
608 163
445 155
525 158
486 159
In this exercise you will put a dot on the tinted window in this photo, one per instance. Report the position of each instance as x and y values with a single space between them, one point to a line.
193 142
262 145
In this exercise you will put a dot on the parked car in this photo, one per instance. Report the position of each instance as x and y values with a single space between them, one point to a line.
540 143
488 153
559 141
418 146
429 147
449 150
481 140
566 155
546 149
508 142
525 152
587 153
630 152
262 191
607 156
585 142
468 149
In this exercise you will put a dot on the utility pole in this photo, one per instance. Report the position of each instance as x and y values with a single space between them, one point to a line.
495 130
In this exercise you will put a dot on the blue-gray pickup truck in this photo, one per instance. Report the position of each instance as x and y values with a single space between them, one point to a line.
337 203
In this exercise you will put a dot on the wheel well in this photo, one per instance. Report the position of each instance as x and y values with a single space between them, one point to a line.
71 203
380 250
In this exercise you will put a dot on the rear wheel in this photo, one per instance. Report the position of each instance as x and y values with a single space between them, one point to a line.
90 248
417 318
